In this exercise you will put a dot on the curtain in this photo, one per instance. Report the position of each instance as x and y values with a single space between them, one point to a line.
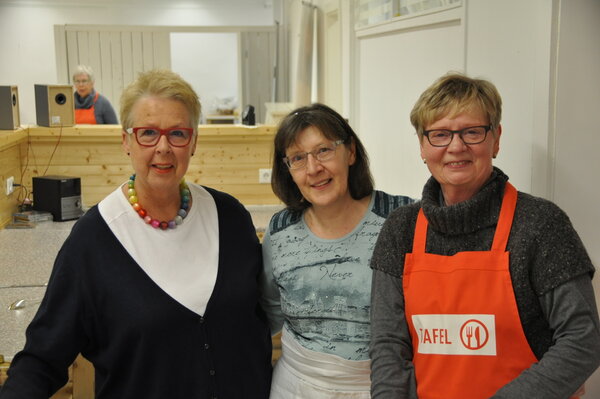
305 57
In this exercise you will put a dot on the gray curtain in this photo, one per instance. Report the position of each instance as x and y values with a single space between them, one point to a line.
305 56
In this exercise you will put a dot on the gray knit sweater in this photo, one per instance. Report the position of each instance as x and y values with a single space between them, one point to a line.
551 275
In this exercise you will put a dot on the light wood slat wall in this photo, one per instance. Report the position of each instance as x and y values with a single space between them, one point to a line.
10 165
227 158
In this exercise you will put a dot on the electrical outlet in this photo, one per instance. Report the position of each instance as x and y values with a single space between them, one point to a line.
264 176
10 185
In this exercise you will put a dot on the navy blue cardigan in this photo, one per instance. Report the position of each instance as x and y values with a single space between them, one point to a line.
143 343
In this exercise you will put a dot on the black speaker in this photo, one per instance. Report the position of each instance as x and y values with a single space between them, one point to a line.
54 105
9 108
248 116
59 195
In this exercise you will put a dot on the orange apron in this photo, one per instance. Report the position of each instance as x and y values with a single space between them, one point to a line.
86 115
464 323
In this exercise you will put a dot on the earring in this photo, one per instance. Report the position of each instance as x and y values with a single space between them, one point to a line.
424 160
127 154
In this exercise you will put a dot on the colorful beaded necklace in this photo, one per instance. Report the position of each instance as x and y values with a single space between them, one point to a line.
184 192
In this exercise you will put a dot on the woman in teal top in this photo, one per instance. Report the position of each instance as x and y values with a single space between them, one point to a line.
316 253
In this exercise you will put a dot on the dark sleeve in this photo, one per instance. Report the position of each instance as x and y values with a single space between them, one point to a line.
54 337
573 317
392 370
104 112
555 249
395 240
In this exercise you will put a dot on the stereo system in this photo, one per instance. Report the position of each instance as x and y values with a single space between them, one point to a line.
9 108
54 105
59 195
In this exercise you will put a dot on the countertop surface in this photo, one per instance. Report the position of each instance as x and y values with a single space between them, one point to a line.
26 264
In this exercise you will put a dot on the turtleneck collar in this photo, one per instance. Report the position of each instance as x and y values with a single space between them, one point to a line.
86 102
468 216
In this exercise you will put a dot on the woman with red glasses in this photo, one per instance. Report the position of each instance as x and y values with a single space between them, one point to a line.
157 284
479 291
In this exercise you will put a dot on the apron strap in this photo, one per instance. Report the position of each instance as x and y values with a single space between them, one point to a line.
505 218
420 235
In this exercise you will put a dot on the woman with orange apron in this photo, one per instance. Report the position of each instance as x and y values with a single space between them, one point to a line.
86 115
478 291
90 106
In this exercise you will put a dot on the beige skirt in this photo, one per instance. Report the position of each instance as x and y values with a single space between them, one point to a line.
301 374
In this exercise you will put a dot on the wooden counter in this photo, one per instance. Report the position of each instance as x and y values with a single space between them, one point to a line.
227 158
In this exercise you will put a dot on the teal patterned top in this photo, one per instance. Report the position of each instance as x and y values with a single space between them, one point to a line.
321 289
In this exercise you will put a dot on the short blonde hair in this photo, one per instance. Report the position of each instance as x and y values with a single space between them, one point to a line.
164 84
455 93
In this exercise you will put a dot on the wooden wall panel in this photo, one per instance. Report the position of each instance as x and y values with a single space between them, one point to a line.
9 166
227 158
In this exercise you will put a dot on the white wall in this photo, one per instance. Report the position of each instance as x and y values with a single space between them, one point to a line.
517 60
393 69
576 161
544 58
27 46
209 62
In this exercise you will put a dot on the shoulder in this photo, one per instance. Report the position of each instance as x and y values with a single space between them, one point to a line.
539 215
223 200
102 100
395 239
91 224
284 219
404 215
90 220
384 203
547 242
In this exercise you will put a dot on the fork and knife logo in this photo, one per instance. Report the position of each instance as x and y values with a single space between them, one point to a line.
474 334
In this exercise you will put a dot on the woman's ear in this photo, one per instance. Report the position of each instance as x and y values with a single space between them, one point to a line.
125 142
352 149
497 135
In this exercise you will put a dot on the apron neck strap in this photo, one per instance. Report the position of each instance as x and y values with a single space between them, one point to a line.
505 219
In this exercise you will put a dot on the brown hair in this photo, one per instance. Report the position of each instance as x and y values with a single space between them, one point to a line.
334 127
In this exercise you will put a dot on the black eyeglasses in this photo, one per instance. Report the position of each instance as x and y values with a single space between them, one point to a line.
149 136
321 154
469 135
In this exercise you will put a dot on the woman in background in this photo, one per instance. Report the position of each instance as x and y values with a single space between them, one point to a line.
479 291
157 284
316 254
91 107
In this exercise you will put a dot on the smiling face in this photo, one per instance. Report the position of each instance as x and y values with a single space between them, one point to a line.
324 183
163 166
461 169
83 84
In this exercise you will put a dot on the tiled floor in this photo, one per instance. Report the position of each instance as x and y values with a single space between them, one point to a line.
26 258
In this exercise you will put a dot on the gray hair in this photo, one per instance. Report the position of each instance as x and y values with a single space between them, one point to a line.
84 70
